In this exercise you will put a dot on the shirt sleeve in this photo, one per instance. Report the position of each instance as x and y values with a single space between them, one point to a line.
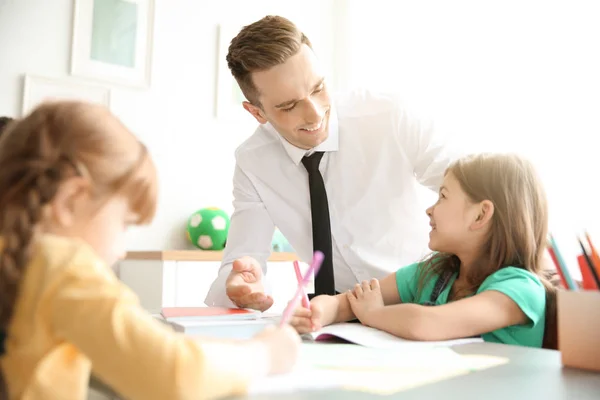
406 280
137 355
250 234
425 148
523 287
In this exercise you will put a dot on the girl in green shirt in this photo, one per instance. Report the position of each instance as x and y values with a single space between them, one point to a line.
486 276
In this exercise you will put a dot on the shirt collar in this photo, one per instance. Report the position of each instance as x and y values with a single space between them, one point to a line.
330 144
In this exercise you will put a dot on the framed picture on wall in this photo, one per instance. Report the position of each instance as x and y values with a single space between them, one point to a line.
112 41
37 89
229 96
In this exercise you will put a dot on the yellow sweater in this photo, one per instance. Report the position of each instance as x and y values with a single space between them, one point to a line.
73 315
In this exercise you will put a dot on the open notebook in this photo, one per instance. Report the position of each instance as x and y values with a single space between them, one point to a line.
370 337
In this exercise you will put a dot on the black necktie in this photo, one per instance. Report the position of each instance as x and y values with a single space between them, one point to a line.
321 228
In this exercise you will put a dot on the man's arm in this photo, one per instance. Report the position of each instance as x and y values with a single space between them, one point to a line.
250 234
427 151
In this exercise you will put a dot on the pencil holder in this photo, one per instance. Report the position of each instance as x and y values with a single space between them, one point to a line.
579 329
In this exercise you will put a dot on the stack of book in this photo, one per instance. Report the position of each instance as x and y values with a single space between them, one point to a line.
218 322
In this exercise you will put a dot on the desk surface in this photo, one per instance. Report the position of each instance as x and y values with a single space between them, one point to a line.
530 374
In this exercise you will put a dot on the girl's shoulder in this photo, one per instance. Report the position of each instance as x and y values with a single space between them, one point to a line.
59 254
515 278
511 272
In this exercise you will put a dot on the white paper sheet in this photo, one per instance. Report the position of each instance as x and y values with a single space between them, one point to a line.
381 371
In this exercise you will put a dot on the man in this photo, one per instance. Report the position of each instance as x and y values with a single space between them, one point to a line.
338 176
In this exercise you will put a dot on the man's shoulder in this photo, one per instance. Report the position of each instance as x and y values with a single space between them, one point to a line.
364 104
360 102
261 139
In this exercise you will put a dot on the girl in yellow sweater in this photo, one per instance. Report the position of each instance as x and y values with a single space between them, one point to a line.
73 178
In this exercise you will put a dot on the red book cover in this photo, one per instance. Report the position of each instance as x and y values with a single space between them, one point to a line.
206 312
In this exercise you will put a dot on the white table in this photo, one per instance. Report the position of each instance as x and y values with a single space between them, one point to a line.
531 374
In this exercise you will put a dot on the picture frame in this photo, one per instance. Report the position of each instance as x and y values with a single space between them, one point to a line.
37 89
112 41
229 96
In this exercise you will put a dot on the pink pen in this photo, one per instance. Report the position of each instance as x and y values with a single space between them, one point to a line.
313 269
305 301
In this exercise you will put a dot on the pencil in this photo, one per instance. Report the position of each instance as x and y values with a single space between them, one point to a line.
557 265
305 300
594 253
562 265
590 264
313 269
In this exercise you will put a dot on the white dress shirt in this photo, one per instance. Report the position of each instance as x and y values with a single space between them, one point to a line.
376 155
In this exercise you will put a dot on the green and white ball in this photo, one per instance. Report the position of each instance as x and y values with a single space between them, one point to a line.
207 228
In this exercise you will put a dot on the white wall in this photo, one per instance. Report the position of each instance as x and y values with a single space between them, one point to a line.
193 150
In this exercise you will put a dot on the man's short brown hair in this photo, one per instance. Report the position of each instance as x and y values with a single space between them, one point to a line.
260 46
4 122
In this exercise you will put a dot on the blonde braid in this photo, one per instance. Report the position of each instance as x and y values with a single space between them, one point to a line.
33 165
20 219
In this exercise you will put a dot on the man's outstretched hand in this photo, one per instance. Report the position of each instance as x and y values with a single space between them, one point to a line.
244 285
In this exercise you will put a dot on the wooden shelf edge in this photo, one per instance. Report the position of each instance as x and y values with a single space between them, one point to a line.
195 255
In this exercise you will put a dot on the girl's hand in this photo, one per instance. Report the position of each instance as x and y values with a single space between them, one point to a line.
282 345
322 312
365 299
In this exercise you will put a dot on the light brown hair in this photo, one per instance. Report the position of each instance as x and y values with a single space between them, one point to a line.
260 46
56 141
519 227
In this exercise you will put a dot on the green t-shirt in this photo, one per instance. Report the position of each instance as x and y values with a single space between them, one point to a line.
523 287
